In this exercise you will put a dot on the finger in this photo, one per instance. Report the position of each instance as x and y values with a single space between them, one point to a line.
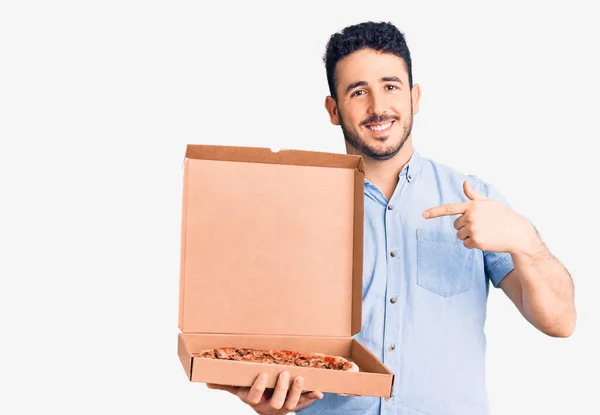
304 404
257 390
294 394
460 222
446 210
312 395
280 391
228 388
472 193
468 243
463 233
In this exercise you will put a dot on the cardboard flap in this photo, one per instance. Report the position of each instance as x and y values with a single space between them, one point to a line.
271 242
268 156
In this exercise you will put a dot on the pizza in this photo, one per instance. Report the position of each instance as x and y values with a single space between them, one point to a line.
280 357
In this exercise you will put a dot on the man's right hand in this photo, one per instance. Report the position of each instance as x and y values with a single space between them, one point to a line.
284 398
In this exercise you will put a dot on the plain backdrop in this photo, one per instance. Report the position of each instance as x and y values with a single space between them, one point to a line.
98 100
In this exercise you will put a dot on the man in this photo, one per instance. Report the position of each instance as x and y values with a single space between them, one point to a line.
434 240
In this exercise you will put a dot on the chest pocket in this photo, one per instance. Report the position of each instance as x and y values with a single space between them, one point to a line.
444 265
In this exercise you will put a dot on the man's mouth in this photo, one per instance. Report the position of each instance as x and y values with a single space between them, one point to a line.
380 127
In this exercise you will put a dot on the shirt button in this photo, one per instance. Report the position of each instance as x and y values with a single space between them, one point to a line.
409 176
393 300
393 254
388 399
391 347
390 207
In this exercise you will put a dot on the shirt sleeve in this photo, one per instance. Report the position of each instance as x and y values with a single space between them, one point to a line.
497 264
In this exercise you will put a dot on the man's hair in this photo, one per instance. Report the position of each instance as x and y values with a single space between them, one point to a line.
381 36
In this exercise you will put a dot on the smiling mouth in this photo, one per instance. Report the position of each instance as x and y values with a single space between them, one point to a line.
381 127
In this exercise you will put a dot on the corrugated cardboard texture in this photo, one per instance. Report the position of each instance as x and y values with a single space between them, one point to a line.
271 248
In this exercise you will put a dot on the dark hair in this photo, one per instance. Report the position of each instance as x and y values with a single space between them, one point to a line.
382 37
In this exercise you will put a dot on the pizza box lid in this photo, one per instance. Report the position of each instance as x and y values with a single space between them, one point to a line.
272 242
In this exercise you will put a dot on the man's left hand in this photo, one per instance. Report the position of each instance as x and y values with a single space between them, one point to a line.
487 224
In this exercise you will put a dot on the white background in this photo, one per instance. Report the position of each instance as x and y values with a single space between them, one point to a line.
98 100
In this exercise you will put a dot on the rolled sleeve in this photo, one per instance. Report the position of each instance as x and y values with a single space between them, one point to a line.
501 265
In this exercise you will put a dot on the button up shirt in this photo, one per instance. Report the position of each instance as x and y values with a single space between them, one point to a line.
424 298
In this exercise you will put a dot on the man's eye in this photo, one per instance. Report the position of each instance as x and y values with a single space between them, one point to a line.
358 93
391 87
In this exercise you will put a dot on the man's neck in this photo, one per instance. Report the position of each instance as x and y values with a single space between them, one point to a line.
384 173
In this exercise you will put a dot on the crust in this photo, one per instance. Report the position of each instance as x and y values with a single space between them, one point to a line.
353 367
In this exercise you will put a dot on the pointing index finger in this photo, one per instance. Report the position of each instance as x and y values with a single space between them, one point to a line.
445 210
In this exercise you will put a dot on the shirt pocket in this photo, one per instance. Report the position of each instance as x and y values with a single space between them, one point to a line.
444 265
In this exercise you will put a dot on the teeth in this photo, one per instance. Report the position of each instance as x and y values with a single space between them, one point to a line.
381 127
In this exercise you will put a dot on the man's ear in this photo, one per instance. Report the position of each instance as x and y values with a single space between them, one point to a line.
416 97
332 109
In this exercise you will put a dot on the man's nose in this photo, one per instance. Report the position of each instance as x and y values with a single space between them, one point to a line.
377 104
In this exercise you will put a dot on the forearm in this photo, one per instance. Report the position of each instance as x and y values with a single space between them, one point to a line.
547 290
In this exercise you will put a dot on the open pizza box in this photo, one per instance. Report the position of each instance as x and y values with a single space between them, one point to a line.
272 246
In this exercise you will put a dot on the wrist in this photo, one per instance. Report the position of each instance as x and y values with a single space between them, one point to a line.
528 244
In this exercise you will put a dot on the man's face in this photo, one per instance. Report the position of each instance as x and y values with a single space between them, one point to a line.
375 104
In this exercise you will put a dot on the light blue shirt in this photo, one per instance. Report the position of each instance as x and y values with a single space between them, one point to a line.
424 298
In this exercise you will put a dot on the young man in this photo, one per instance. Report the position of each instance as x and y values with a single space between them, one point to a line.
434 240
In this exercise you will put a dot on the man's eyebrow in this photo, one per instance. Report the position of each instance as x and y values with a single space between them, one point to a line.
355 85
364 83
391 79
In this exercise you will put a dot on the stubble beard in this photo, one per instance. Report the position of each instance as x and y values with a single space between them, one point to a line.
364 149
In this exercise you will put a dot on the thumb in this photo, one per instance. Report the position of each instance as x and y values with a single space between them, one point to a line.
472 193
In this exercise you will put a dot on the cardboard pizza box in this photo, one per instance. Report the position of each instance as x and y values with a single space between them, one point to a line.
272 258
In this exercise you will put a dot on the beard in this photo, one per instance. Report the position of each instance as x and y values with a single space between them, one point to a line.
364 148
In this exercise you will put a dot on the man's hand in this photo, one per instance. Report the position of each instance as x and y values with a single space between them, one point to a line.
487 224
278 401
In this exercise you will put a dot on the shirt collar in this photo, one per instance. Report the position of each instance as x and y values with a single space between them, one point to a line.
410 172
413 167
